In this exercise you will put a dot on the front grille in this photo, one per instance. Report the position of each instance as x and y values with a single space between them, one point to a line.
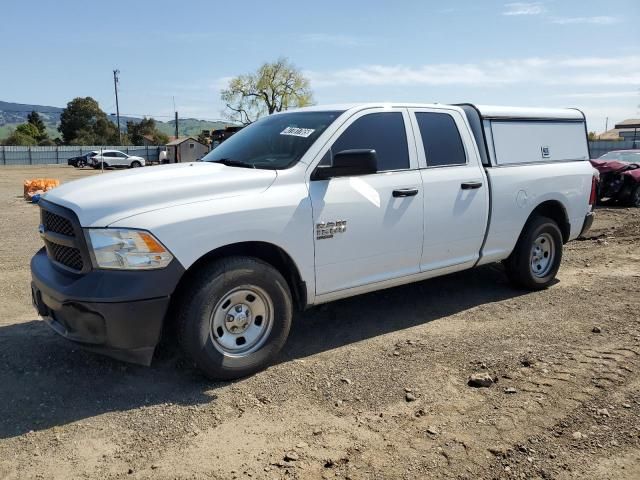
65 247
67 256
57 224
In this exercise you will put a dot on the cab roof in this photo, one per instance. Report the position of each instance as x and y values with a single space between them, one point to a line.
486 111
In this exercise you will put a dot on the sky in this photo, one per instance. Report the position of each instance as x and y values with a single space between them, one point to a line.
553 53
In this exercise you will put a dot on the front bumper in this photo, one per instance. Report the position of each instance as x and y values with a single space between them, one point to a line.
113 312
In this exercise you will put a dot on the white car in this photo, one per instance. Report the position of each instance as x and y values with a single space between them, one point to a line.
116 158
305 207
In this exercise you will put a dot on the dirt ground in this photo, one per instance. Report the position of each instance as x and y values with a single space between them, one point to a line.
370 387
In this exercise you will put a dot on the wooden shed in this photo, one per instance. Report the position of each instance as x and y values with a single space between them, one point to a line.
186 149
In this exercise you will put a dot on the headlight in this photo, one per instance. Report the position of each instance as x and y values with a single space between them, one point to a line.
125 249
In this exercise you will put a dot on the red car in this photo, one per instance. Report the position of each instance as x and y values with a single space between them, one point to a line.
619 177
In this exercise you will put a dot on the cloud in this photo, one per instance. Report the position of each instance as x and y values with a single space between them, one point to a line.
540 71
599 20
524 8
336 40
604 95
220 83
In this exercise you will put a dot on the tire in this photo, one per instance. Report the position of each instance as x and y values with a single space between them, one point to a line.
101 165
135 164
223 304
535 261
634 198
81 164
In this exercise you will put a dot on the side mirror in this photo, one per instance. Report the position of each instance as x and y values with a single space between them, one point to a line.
347 163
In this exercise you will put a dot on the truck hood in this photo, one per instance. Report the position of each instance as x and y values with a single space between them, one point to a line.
103 199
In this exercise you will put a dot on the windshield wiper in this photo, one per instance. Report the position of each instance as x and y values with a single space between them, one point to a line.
229 162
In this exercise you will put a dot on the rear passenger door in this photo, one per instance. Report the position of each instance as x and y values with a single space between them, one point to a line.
456 194
377 217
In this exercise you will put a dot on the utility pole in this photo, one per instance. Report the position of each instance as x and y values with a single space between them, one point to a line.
116 72
175 112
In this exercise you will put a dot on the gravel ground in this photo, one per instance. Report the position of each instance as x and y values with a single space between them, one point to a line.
370 387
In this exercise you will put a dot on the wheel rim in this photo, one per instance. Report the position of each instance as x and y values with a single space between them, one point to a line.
241 321
543 254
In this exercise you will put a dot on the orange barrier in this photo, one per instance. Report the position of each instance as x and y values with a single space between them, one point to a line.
38 185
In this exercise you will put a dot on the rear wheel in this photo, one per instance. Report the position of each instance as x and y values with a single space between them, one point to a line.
535 261
235 317
135 164
101 165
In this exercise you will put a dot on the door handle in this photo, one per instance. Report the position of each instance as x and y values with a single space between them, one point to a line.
405 192
470 185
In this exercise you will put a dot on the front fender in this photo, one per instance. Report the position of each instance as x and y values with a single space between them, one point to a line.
280 216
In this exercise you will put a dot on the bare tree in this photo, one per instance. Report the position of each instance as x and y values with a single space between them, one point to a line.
274 87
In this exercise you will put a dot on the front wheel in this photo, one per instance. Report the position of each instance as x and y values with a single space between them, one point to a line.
235 317
535 261
81 164
135 164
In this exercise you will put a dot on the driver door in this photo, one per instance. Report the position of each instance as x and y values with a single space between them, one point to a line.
369 228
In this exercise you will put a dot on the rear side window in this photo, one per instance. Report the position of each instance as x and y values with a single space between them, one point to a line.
382 132
440 139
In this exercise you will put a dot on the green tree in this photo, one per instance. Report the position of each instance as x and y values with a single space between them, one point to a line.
274 87
19 138
204 138
145 127
34 119
592 136
29 130
82 122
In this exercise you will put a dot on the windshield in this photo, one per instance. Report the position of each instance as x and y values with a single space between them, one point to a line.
274 142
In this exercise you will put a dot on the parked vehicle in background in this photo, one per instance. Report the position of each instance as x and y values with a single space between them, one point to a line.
619 177
116 158
82 160
302 208
631 156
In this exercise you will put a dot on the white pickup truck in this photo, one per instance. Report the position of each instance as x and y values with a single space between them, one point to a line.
305 207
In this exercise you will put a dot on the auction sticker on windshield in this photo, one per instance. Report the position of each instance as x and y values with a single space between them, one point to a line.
297 132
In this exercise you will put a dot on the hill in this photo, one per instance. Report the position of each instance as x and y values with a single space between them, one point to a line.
189 126
13 114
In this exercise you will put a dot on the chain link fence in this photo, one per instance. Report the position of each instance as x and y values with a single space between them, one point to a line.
10 155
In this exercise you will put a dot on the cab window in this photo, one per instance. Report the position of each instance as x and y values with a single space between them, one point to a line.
440 139
383 132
